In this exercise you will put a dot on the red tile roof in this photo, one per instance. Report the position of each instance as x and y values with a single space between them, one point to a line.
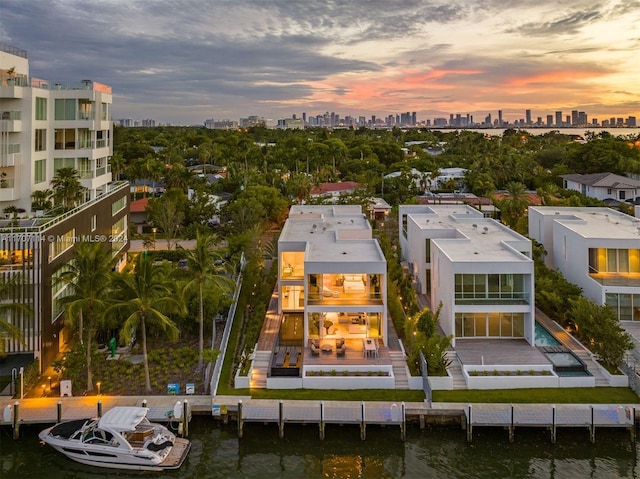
139 206
324 188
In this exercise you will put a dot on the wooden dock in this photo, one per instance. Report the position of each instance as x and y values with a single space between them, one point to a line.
358 413
322 413
550 416
53 410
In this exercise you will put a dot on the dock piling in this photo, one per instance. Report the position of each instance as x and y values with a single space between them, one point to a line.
511 427
240 418
322 420
59 415
363 424
99 407
186 417
281 419
592 429
469 425
16 420
403 424
553 424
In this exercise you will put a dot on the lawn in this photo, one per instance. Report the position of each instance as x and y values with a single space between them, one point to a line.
333 394
543 395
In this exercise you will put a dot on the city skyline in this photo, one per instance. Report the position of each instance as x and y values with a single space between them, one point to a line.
186 61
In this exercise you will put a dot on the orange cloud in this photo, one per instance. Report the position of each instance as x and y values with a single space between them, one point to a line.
550 77
437 75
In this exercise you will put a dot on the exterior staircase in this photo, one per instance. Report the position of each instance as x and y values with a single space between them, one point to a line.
260 369
587 358
455 369
399 367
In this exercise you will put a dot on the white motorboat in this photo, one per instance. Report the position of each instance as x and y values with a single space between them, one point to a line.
123 438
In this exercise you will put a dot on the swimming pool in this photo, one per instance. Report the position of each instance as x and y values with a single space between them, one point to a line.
544 337
565 363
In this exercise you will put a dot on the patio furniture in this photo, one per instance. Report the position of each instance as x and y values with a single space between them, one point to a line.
339 342
280 357
341 347
369 348
326 348
315 351
293 358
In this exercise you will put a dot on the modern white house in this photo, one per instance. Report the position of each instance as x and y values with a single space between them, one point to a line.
597 249
478 269
603 186
332 272
46 126
331 312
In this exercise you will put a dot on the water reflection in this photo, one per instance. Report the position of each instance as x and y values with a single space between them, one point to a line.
439 452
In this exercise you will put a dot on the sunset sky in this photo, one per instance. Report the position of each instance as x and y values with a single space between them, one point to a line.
184 61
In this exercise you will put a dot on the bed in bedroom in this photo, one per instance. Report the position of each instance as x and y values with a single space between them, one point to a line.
353 283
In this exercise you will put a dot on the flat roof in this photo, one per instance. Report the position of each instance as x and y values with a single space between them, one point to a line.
595 222
477 239
333 233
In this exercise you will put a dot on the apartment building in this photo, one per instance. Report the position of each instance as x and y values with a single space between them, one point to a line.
47 126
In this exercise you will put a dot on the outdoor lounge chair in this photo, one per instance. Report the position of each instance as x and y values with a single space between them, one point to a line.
341 350
315 351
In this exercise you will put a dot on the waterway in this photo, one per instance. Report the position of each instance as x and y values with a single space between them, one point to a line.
441 453
624 132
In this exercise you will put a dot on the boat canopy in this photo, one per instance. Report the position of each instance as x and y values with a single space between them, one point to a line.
123 418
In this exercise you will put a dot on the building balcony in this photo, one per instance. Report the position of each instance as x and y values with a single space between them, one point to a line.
630 280
8 191
10 159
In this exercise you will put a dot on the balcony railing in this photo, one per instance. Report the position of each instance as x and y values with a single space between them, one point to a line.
493 298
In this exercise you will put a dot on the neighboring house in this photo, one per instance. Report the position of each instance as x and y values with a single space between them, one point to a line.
420 180
334 190
332 274
52 126
138 210
145 187
447 175
603 186
478 269
597 249
379 209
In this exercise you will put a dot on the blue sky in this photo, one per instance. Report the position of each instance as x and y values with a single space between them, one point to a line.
184 61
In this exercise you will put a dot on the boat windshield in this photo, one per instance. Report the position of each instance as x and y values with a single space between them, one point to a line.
93 435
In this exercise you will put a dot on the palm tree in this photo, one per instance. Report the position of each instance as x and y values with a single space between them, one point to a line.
201 262
10 308
146 295
90 276
514 204
67 189
41 199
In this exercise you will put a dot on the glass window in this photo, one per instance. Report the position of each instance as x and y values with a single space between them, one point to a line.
518 325
118 205
494 325
65 109
41 108
612 260
623 260
41 140
468 326
65 138
506 328
39 171
63 163
459 325
481 324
